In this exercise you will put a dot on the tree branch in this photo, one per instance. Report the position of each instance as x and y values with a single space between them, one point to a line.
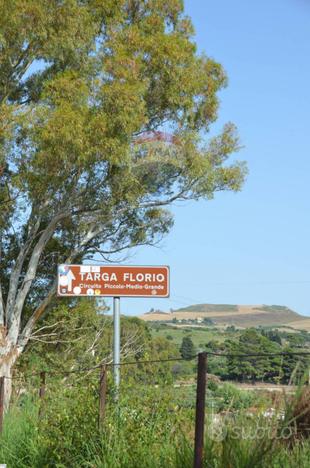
15 315
16 272
94 230
2 309
25 335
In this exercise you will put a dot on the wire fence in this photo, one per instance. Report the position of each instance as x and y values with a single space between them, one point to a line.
197 391
154 361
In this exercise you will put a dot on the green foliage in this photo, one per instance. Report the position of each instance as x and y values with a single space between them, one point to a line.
297 340
236 452
212 385
272 335
253 368
248 443
76 337
293 368
218 366
278 369
269 369
201 334
20 440
146 427
234 398
187 348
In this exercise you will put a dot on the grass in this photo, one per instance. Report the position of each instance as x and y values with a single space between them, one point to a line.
142 438
151 427
20 446
68 435
200 336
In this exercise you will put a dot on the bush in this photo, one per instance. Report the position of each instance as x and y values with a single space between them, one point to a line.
150 427
213 386
145 426
234 398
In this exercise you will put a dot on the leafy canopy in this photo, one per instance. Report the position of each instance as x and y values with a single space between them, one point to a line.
88 91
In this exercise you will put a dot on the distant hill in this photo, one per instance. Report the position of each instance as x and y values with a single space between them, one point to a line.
157 312
208 308
239 315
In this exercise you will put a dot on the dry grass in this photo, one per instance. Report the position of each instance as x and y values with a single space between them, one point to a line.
243 316
300 414
301 324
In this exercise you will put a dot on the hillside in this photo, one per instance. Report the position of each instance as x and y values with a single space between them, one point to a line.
238 315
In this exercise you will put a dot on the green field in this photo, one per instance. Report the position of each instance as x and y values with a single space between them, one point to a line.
199 335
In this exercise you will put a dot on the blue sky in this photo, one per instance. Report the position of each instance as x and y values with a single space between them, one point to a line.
251 247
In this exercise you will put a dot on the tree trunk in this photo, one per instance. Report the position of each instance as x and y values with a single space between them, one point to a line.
8 356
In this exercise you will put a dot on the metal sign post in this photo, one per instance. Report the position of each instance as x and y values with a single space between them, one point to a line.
116 343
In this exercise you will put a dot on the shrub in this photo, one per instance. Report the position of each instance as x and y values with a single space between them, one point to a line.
234 398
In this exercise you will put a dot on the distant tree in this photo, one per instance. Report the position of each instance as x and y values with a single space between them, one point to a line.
272 335
293 367
253 368
216 364
296 340
213 346
187 348
207 321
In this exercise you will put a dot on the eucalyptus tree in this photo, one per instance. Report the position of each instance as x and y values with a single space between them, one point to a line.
89 90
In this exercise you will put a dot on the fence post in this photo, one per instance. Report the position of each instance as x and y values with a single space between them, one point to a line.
200 409
102 394
1 402
42 391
